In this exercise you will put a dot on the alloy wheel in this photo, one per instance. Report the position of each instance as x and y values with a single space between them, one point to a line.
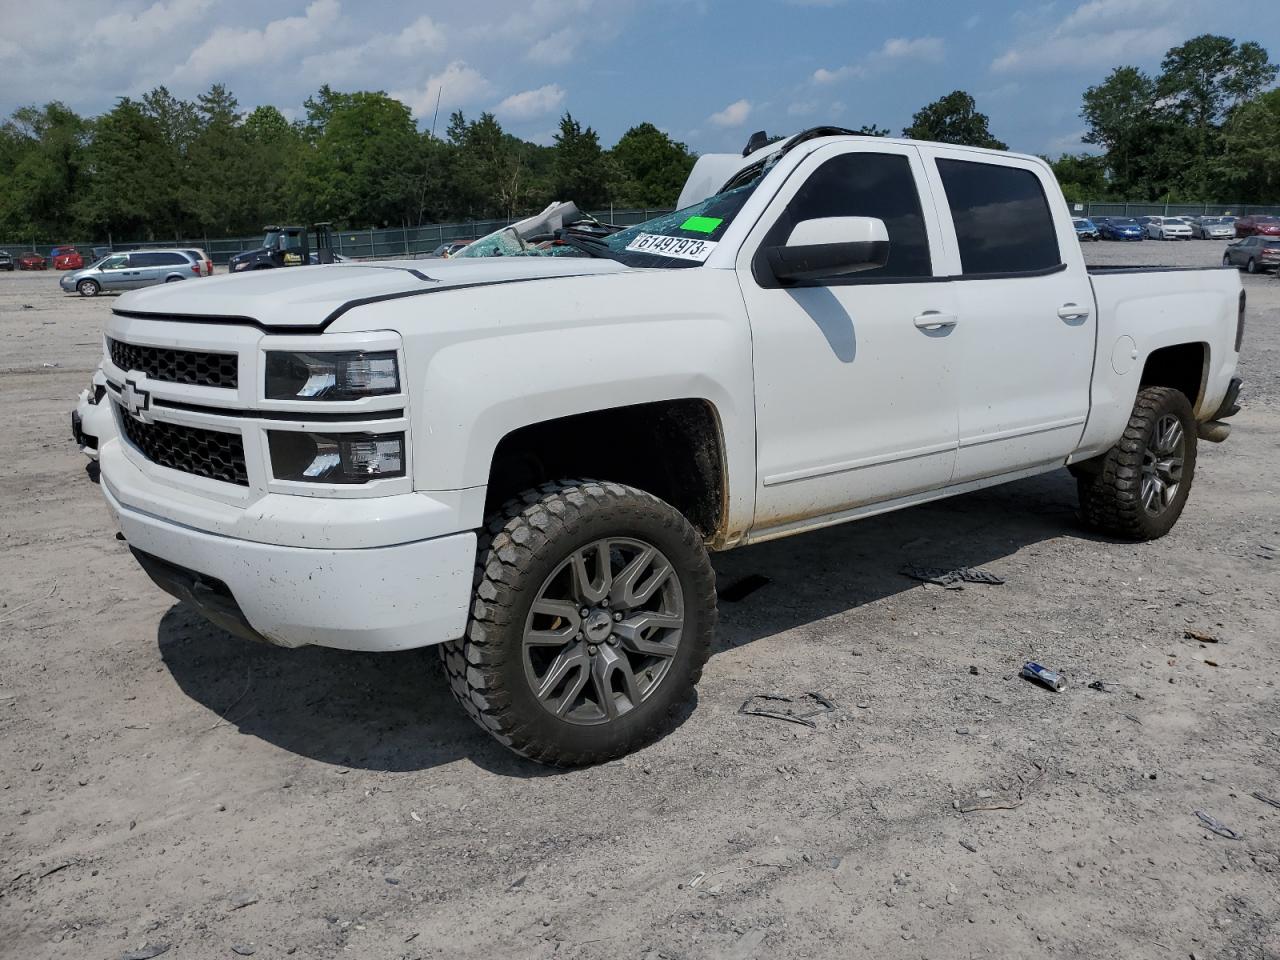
602 630
1162 464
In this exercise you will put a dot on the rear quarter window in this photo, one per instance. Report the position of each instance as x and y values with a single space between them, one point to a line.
1002 218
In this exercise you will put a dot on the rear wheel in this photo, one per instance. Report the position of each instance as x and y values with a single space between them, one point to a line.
1138 488
88 288
1252 265
594 609
173 279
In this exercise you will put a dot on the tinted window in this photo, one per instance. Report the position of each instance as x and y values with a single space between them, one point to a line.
156 259
1003 223
865 185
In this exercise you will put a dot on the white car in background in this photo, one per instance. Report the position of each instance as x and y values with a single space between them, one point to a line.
1167 228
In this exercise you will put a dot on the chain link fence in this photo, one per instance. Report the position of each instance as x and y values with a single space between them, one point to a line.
391 242
408 242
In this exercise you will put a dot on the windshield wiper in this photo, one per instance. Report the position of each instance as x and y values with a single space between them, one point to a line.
591 246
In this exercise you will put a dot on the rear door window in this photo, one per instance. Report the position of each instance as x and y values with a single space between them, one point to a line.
879 185
1002 218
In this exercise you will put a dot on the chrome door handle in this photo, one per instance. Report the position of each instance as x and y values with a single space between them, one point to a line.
1073 311
933 320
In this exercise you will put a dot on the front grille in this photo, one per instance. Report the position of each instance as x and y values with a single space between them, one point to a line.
176 366
204 453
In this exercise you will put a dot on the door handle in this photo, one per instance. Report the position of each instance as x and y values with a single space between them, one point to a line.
933 320
1073 311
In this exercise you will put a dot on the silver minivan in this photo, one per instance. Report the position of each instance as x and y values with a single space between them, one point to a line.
128 271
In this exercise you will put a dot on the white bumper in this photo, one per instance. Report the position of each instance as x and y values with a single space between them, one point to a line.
373 598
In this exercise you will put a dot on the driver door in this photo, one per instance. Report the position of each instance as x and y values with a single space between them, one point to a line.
111 272
855 378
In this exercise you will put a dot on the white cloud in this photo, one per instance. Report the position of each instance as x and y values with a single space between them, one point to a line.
1099 33
556 48
531 103
458 85
228 49
803 108
734 115
894 50
365 64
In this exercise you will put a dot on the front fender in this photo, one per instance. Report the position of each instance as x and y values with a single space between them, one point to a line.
555 348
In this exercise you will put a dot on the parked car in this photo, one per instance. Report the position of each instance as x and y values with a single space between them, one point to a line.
1120 228
1085 229
1261 225
206 264
100 252
128 271
31 261
356 478
6 260
66 258
1166 228
1256 253
1212 228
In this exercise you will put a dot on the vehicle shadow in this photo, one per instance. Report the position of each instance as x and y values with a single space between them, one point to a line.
394 712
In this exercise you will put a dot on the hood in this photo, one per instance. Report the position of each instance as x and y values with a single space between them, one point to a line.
310 297
256 251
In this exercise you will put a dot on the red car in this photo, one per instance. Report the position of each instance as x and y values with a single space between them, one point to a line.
31 261
66 258
1261 225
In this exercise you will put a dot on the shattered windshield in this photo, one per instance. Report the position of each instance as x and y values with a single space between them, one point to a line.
685 238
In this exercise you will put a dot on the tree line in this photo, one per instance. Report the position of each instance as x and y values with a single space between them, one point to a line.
1205 128
156 167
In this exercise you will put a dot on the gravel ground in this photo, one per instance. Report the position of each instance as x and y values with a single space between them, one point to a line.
166 784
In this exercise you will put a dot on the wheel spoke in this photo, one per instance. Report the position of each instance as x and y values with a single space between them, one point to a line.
565 661
607 663
628 591
563 610
589 590
571 691
632 631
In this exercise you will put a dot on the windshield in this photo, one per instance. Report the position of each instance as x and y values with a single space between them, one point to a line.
269 241
1125 222
685 238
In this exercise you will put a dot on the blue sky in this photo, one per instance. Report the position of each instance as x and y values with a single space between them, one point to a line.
707 71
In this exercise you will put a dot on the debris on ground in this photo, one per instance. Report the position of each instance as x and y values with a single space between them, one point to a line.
739 590
952 578
1043 676
244 949
1265 799
759 706
1103 686
1217 826
243 898
969 845
1197 635
146 953
50 366
1009 799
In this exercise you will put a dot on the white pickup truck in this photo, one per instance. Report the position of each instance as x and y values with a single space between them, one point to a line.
526 459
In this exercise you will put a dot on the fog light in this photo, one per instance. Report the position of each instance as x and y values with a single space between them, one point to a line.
336 457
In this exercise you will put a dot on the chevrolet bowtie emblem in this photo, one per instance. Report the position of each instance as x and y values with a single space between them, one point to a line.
135 400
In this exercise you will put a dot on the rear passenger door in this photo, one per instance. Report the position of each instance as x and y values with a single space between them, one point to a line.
1024 339
134 273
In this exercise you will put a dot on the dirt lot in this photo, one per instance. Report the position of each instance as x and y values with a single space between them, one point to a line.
166 784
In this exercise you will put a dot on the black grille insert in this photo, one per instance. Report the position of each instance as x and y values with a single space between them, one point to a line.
176 366
205 453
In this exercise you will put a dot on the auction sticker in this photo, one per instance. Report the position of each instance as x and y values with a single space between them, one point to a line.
682 248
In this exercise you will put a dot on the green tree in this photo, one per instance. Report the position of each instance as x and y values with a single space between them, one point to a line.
1200 81
44 151
219 187
1082 176
1120 115
131 164
1247 168
580 170
872 130
953 119
651 167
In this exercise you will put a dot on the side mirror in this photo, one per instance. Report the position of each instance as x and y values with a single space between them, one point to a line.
830 247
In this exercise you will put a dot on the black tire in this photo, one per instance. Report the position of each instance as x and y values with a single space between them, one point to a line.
1226 261
522 546
1251 266
1110 486
174 279
88 288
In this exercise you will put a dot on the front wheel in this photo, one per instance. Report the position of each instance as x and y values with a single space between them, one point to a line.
594 609
1138 488
88 288
1226 260
1251 266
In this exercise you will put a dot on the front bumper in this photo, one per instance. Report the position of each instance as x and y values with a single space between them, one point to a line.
372 599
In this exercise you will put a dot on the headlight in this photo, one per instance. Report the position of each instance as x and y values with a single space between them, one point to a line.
336 457
331 376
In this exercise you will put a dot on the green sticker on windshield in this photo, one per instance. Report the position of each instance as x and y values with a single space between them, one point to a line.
701 224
